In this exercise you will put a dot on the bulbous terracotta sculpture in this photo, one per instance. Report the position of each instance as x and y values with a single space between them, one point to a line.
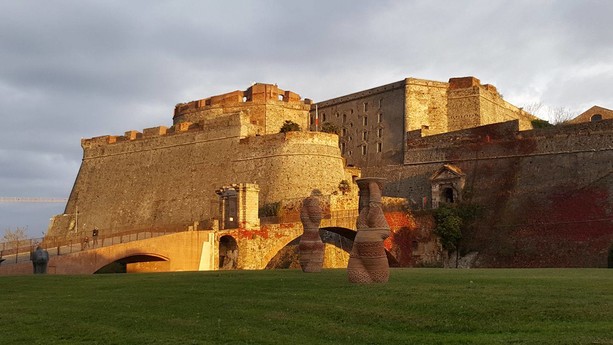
368 261
311 247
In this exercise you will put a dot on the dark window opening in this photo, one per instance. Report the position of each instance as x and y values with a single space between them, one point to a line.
448 195
596 117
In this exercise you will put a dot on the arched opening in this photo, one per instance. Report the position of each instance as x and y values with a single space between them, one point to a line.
596 117
338 241
228 253
136 264
448 195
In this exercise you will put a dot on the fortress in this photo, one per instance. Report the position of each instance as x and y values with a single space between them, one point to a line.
223 165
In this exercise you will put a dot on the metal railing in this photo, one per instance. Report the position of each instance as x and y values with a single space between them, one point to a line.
19 251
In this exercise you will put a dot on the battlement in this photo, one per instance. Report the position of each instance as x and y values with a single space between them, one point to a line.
257 94
470 82
147 133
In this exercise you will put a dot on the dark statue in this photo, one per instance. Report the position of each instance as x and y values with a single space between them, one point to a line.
40 259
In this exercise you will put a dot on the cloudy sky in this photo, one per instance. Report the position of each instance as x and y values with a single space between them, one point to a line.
73 69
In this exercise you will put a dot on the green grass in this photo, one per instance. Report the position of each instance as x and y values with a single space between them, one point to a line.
417 306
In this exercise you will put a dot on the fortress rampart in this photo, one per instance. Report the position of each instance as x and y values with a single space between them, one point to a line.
547 194
166 177
373 123
266 105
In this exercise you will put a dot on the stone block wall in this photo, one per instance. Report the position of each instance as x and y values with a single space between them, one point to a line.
426 106
169 180
370 122
266 105
547 194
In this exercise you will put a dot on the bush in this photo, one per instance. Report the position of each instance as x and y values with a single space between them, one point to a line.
328 127
448 226
538 123
289 126
270 210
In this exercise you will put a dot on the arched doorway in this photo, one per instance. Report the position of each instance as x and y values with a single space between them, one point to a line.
448 195
228 253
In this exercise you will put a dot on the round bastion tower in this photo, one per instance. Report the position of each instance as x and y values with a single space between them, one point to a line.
167 177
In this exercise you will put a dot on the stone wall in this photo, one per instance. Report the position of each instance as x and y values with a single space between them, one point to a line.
167 178
471 104
370 124
266 105
373 123
547 194
426 106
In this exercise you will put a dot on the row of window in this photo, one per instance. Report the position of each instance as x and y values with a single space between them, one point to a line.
364 134
364 119
363 148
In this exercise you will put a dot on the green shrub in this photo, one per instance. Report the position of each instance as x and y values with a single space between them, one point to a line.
270 210
448 226
289 126
328 127
538 123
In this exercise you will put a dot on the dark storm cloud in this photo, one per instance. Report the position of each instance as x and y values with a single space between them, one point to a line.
87 68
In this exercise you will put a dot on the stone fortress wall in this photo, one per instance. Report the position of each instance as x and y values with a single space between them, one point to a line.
373 123
166 178
547 194
553 185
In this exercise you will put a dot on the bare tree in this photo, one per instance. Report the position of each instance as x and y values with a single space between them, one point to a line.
15 236
561 115
555 115
533 108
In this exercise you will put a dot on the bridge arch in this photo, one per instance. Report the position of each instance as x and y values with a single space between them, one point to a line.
138 262
341 238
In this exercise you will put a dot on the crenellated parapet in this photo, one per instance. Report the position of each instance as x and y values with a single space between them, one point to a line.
266 104
147 133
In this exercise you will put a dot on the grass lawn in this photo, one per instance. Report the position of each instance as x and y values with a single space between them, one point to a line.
417 306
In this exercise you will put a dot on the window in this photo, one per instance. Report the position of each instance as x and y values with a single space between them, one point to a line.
380 102
337 114
349 138
596 117
365 106
365 135
323 117
379 147
343 148
379 132
365 121
379 118
344 118
363 150
344 131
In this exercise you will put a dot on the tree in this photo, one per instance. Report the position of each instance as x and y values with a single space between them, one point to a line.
289 126
454 222
448 227
556 115
328 127
14 237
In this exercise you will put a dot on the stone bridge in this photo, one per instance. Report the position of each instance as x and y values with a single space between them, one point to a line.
202 250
